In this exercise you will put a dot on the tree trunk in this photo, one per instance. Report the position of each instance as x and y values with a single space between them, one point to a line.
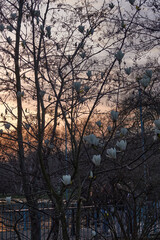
64 227
54 231
35 225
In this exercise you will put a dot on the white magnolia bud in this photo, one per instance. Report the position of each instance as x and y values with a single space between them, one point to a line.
99 124
7 125
114 115
119 55
8 200
13 16
109 129
77 86
42 93
81 28
96 160
145 81
92 139
124 131
20 94
131 1
157 123
111 153
89 74
122 145
128 70
1 27
66 179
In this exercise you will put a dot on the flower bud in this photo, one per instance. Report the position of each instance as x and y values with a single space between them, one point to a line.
124 131
157 123
89 74
92 139
96 160
109 129
131 1
122 145
13 16
111 153
99 124
66 179
81 28
128 70
114 115
8 200
1 27
77 86
7 126
119 55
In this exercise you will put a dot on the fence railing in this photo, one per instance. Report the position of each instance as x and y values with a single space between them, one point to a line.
107 222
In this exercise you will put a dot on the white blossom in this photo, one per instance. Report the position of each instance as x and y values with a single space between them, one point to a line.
7 125
157 123
131 1
8 200
122 145
89 74
91 31
37 13
96 160
42 93
155 138
109 129
119 55
48 29
83 54
91 174
20 94
46 141
49 98
149 73
128 70
66 179
111 5
10 28
23 43
27 126
9 40
114 115
157 131
42 29
145 81
93 233
111 153
1 27
124 131
102 74
101 143
157 134
92 139
51 146
99 124
13 16
77 86
82 100
86 88
81 28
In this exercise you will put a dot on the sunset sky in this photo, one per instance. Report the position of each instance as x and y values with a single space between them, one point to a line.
128 58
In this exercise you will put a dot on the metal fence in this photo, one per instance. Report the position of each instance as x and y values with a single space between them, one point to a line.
108 222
